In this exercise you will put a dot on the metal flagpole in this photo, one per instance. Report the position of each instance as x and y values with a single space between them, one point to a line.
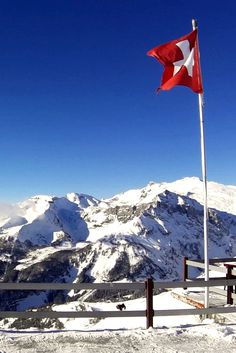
204 179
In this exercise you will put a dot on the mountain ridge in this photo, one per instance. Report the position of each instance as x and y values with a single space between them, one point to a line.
133 235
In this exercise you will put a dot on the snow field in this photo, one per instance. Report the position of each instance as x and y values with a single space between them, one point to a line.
177 334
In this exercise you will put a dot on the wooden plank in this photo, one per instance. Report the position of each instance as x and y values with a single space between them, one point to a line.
211 267
200 279
115 286
223 260
214 261
69 286
176 312
70 314
222 292
103 314
202 283
188 300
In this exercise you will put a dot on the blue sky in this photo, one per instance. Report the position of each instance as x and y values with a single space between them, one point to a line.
78 106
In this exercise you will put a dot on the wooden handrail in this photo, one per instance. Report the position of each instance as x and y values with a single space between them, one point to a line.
149 313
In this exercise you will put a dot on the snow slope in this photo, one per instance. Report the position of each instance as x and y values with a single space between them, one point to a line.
221 197
180 334
83 217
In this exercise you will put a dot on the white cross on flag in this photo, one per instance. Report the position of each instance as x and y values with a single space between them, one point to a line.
180 58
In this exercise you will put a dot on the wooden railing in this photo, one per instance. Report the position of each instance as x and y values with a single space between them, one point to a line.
229 272
147 286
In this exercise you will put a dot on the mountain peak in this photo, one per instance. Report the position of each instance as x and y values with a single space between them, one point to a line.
82 200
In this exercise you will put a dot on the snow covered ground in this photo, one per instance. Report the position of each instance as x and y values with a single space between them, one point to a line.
195 340
126 335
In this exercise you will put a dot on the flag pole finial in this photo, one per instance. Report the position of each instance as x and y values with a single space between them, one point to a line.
194 23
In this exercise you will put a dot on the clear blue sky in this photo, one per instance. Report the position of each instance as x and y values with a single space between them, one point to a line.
78 106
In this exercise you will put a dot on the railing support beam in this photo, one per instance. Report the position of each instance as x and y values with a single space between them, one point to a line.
149 302
185 269
229 288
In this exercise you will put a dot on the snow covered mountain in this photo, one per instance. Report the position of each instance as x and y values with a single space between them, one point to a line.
133 235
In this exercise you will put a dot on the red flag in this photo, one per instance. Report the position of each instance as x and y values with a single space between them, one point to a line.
180 58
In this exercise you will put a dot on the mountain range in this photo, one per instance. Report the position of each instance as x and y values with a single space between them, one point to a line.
129 237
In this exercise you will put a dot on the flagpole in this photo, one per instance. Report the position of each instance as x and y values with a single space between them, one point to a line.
204 179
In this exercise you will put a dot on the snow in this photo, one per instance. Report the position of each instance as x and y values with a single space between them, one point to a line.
116 227
149 238
35 206
222 197
57 216
178 334
84 218
161 301
82 200
157 341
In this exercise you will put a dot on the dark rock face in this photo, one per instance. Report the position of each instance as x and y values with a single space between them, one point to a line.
122 268
53 267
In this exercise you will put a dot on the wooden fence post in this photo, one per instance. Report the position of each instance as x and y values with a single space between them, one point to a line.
149 302
185 269
229 288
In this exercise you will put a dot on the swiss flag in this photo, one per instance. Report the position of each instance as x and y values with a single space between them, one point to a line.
180 58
